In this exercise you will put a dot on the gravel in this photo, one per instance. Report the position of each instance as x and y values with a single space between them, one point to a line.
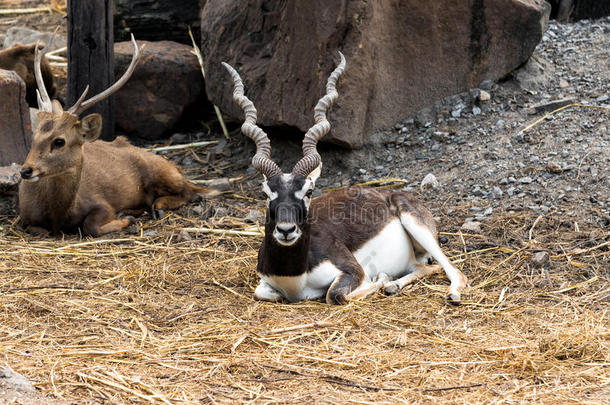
479 151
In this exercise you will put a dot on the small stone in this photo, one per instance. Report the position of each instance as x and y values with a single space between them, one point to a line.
484 96
184 236
221 212
553 167
540 259
429 181
496 192
486 85
471 226
510 191
476 111
362 171
255 216
504 181
198 210
526 180
563 84
9 178
456 113
602 98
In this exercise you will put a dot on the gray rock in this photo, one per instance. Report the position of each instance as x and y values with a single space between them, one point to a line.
484 96
471 226
255 216
428 182
496 192
15 381
486 85
9 178
23 35
602 98
476 111
540 259
526 180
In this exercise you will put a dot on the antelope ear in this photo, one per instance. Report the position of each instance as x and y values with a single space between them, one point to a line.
315 174
91 127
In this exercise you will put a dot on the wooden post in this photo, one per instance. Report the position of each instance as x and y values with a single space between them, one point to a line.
91 56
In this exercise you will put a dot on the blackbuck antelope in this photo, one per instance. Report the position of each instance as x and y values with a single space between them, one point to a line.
71 180
20 58
344 244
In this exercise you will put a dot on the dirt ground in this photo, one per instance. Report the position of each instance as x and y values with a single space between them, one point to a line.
159 314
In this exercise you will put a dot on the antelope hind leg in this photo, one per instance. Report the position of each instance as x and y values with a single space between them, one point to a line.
428 241
421 271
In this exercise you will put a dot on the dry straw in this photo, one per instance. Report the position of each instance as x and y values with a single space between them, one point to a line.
168 320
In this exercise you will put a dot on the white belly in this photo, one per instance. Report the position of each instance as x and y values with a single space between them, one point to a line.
389 252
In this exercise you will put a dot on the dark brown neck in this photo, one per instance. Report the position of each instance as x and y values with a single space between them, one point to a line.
275 259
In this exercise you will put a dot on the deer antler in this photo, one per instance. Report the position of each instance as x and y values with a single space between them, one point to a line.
311 158
262 159
44 102
81 105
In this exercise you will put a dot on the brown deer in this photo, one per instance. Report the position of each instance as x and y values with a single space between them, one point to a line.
71 180
20 58
345 244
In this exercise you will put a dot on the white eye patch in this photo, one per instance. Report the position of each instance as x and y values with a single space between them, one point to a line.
302 193
271 194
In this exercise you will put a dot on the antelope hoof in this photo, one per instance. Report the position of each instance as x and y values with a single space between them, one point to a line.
453 297
391 288
158 214
382 278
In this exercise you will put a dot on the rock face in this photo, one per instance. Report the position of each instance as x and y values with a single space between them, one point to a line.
401 55
24 35
15 129
166 81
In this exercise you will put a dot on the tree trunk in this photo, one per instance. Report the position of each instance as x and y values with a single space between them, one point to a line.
91 56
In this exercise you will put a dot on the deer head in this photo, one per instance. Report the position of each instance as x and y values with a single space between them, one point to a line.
288 194
57 141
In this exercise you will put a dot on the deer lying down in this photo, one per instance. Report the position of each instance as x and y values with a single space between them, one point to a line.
20 58
72 180
345 244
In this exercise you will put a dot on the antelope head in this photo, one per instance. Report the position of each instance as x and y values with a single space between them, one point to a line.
58 139
288 194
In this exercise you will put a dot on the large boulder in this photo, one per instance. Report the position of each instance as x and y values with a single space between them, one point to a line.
156 20
401 55
24 35
15 128
166 81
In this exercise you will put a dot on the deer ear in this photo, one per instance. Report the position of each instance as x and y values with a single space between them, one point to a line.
315 174
91 127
